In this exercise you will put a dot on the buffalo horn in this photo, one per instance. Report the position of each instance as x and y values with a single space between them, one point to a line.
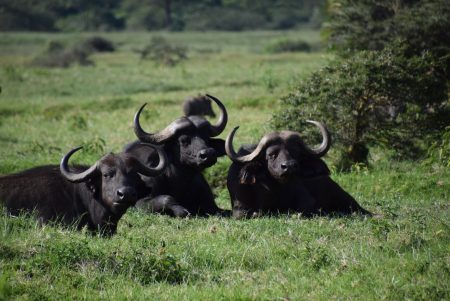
223 118
157 138
326 140
247 158
71 176
150 172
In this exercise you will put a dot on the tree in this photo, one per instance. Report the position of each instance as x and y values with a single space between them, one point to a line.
422 26
374 97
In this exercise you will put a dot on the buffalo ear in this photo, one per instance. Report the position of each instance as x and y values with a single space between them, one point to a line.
143 153
312 167
247 178
248 173
219 146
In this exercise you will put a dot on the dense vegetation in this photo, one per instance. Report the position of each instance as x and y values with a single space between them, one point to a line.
71 15
401 254
390 83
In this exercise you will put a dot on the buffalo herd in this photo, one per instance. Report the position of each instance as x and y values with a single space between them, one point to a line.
162 172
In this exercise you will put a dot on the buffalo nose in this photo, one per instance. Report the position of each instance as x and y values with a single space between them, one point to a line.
289 165
126 193
204 154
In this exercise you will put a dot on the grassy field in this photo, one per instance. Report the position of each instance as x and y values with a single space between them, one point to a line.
403 254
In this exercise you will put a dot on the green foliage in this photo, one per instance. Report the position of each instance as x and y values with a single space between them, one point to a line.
288 46
25 15
107 15
216 175
217 18
96 145
422 26
85 15
439 150
142 15
5 288
160 51
374 97
56 55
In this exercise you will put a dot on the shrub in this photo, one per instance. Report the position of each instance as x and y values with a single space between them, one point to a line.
98 44
288 46
162 52
374 97
56 55
439 150
422 26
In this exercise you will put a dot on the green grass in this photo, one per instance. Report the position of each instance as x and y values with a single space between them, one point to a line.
402 254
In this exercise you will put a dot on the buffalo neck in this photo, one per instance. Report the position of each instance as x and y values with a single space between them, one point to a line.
99 216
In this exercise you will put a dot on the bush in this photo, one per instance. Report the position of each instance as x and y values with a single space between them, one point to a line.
56 55
98 44
288 46
422 26
375 97
439 151
162 52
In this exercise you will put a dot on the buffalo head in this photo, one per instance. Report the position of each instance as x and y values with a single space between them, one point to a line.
198 105
113 178
188 140
283 153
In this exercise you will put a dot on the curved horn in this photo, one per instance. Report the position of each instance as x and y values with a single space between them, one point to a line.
151 172
157 138
247 158
326 140
71 176
223 118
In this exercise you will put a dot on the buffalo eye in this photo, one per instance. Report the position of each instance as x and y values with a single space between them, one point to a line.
272 155
185 140
109 174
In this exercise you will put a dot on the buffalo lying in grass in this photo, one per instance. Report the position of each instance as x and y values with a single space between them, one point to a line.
181 190
199 105
95 196
282 174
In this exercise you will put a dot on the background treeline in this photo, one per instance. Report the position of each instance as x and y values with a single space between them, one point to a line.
86 15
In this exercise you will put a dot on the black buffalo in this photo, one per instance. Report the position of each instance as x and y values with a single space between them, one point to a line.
282 174
95 196
182 190
199 105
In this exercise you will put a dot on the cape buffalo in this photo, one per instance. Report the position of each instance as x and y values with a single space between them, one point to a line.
199 105
95 196
283 174
182 190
